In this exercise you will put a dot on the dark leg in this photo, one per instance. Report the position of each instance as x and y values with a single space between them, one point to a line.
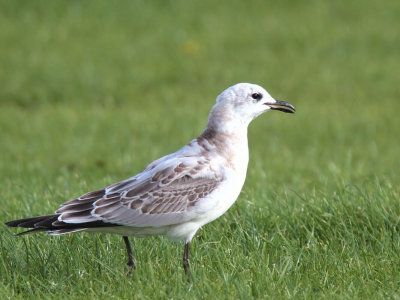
186 259
131 263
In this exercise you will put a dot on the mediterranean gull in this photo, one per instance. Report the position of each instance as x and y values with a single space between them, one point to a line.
178 193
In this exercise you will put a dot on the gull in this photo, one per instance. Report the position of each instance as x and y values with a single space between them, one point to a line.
179 193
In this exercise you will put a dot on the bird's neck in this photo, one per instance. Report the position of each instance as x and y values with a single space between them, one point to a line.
225 122
227 136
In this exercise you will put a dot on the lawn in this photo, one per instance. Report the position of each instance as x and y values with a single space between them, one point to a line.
92 91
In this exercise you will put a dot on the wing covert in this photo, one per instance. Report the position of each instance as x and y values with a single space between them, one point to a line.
156 197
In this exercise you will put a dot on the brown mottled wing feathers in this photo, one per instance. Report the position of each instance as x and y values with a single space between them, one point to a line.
175 197
162 198
157 205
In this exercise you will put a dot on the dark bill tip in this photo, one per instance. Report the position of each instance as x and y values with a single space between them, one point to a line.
282 106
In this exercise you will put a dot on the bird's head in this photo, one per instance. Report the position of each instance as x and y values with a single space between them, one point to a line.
247 101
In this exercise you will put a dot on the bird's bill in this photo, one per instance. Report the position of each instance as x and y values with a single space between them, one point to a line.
282 106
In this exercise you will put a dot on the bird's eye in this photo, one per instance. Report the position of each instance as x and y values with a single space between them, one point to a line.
256 96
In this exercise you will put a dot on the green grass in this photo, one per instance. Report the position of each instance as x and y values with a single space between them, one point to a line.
90 92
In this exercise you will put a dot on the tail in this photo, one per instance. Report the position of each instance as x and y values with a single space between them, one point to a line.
51 224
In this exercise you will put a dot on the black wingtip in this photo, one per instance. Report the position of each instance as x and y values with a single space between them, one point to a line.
34 230
51 224
31 222
13 223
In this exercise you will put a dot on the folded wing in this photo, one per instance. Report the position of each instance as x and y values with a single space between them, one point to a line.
161 195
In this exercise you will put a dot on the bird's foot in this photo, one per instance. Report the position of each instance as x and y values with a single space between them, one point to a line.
131 269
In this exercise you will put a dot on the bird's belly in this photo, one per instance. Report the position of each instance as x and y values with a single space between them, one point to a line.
208 209
132 231
218 202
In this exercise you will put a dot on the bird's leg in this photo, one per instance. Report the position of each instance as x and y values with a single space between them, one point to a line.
131 263
186 259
